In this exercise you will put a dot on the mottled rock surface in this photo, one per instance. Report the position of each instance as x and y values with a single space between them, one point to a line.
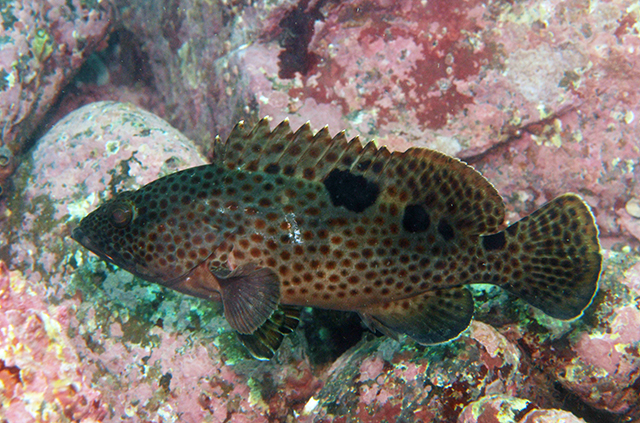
538 96
42 46
177 356
541 97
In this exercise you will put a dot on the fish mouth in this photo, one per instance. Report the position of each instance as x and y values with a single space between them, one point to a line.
83 239
80 237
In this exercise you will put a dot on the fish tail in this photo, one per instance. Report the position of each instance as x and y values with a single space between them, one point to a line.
551 259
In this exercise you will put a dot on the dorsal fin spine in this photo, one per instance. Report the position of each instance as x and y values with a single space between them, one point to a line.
322 158
270 138
382 153
438 180
354 146
282 131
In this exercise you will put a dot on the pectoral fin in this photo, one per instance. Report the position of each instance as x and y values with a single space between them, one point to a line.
250 294
430 318
264 342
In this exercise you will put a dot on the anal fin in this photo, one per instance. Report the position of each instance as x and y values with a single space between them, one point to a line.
265 341
430 318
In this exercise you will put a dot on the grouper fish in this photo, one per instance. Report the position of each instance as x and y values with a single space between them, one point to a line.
282 220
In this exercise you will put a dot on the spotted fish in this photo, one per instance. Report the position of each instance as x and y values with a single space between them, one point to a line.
284 219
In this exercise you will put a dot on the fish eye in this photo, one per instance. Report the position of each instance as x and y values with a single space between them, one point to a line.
121 215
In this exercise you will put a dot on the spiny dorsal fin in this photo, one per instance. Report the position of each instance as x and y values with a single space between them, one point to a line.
297 154
441 186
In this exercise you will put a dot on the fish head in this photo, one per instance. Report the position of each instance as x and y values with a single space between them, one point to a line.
149 235
110 231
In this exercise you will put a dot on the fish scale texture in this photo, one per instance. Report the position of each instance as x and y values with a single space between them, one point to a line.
282 216
344 226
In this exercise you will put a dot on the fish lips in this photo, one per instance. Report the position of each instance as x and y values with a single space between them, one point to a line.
80 237
83 239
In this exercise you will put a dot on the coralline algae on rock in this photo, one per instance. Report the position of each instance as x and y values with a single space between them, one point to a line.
42 376
93 151
540 96
177 358
172 352
602 366
42 45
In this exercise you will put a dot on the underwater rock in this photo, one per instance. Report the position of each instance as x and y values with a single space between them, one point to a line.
628 222
533 369
398 381
602 366
499 408
98 149
590 366
178 358
175 354
193 51
43 45
94 151
41 373
538 115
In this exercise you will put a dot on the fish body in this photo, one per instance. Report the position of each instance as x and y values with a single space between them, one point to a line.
280 220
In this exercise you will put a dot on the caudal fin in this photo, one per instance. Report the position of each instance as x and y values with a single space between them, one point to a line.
551 258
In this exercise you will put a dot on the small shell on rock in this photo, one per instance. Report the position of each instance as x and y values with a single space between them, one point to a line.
633 207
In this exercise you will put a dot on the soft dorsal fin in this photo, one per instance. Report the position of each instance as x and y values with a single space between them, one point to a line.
446 188
440 185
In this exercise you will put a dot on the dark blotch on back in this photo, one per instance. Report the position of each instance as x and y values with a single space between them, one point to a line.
445 230
494 242
415 219
353 192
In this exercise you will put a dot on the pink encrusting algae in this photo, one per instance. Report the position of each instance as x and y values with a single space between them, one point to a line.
139 141
540 96
544 90
43 46
177 357
42 377
603 366
500 408
524 91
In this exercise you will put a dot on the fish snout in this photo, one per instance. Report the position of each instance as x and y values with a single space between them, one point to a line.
80 237
83 239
